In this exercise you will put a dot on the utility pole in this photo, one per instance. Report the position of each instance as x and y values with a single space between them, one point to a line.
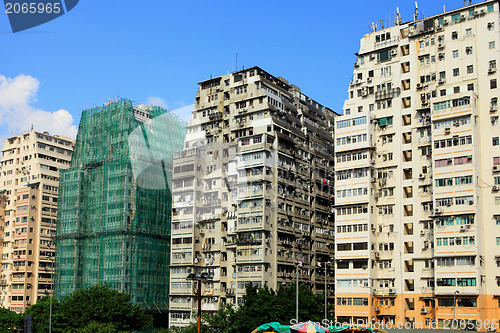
454 305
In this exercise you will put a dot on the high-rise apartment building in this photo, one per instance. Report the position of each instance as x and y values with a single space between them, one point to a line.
252 192
115 203
29 181
418 171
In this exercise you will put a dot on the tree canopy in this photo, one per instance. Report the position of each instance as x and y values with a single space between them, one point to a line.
95 309
9 321
263 305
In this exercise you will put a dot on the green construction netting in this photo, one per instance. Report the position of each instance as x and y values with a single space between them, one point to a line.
114 211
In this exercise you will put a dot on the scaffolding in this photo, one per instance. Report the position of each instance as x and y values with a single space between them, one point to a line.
115 203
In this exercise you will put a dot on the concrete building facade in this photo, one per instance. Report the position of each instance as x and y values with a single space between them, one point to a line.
252 192
29 181
418 171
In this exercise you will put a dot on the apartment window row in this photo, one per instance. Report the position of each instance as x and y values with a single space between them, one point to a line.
452 241
182 255
352 247
352 210
386 192
460 121
352 301
352 192
459 282
350 174
351 122
352 156
455 141
461 180
385 210
452 103
182 225
453 161
352 228
352 139
352 283
455 220
463 200
459 261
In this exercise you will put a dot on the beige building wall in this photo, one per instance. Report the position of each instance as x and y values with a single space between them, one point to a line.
29 178
420 133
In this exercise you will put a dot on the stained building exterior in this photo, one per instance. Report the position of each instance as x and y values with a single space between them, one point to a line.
252 192
115 203
29 182
417 173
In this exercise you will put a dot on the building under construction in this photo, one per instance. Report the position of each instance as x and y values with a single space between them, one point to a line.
115 203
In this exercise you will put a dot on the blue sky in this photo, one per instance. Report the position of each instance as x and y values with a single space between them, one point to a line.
157 51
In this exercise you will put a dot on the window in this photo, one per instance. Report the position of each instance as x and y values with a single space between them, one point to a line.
456 72
454 34
456 89
493 84
491 44
491 26
495 141
455 17
490 8
468 50
470 87
468 31
470 69
455 53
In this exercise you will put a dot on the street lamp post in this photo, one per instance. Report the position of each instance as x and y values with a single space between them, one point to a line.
326 301
454 305
199 278
51 292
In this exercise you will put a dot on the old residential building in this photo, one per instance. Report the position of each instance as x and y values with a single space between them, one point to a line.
252 191
418 171
29 180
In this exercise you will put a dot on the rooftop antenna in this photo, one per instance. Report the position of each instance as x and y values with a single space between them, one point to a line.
465 3
382 24
398 16
416 11
236 60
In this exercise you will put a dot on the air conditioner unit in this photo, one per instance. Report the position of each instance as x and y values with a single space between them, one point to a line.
422 232
372 56
441 81
493 109
377 255
423 310
440 45
439 27
456 123
496 168
437 210
462 228
494 188
492 70
377 309
447 130
424 101
445 22
364 266
421 176
356 64
419 85
364 93
368 79
394 53
392 291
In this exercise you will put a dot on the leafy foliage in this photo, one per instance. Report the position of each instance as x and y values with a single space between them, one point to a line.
263 305
95 309
9 321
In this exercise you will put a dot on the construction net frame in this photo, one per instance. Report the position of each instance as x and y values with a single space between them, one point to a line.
114 214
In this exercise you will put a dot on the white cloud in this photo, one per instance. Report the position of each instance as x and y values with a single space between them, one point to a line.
157 101
184 112
17 114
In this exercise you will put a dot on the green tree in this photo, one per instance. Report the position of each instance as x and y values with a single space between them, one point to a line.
40 312
9 321
264 305
99 306
95 327
102 304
